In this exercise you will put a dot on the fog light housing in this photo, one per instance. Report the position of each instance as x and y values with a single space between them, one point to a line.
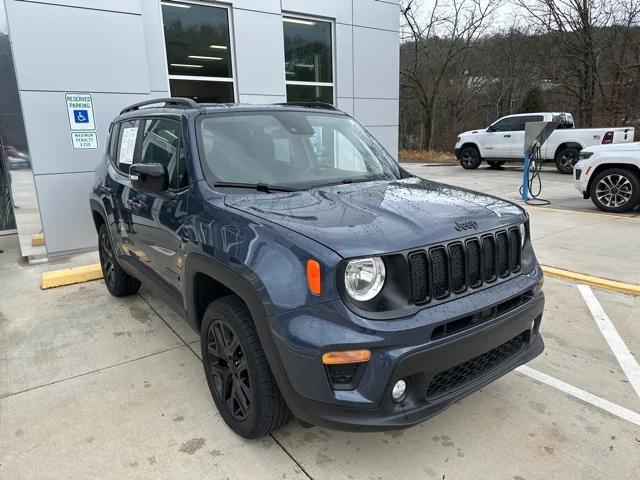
399 391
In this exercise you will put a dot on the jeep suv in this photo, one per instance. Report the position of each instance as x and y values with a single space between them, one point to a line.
324 280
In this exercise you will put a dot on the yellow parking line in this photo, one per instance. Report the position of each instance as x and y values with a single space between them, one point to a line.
69 276
612 216
628 288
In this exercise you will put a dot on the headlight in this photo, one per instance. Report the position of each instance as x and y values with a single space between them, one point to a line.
523 235
364 278
584 155
458 139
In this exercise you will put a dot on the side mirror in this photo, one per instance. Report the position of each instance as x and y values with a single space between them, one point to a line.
149 177
491 128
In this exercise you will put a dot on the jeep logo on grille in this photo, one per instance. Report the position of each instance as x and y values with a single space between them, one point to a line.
460 226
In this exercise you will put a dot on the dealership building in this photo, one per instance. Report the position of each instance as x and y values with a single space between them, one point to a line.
69 66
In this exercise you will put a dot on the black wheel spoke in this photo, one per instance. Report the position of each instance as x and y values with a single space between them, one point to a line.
228 368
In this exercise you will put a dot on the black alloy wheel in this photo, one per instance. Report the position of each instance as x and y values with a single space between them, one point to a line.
470 158
566 159
118 282
229 369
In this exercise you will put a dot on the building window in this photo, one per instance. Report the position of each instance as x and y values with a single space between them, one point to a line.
308 57
198 51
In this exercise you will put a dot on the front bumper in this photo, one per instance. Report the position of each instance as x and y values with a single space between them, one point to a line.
457 153
581 173
437 371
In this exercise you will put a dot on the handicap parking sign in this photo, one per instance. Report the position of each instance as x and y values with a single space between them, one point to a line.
80 110
81 116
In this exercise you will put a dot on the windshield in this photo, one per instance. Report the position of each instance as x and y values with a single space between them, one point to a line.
290 149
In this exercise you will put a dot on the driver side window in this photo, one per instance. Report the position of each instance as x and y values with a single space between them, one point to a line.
505 125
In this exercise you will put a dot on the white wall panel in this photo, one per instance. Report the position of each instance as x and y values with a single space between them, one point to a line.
262 99
259 42
376 63
346 105
376 14
344 60
272 6
340 10
67 49
127 6
388 137
376 112
64 207
154 42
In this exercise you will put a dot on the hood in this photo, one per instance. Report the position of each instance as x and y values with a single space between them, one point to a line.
615 147
473 132
381 217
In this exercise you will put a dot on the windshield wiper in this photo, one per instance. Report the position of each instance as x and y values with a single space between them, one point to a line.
346 181
260 187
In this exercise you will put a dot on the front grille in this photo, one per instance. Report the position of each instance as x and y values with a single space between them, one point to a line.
463 373
440 272
502 247
443 270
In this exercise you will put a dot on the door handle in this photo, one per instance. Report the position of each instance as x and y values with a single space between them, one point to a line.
507 136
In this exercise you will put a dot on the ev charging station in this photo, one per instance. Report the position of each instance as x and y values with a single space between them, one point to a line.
536 133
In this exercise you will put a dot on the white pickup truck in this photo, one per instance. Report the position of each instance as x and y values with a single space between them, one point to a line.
610 176
503 141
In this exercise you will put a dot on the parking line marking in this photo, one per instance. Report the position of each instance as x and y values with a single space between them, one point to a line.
613 338
583 395
628 288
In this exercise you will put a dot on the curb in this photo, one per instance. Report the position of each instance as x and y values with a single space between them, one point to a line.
627 288
69 276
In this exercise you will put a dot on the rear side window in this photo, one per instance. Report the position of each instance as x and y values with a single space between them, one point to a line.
113 141
127 138
162 143
521 122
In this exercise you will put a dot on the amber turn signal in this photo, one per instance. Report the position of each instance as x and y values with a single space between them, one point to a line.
348 356
313 277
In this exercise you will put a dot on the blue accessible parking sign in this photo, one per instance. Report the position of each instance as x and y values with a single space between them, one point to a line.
81 116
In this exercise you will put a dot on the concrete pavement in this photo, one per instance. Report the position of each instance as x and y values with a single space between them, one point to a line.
97 387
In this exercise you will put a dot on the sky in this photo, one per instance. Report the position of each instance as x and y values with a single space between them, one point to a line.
504 15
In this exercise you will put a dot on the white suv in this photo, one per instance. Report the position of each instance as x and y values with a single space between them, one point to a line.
610 176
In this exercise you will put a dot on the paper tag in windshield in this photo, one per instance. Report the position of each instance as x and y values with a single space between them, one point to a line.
128 145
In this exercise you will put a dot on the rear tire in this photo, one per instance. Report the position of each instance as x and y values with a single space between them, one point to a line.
470 158
496 163
237 371
566 159
615 190
118 282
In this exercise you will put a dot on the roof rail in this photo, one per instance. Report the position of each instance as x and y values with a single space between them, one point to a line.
322 105
185 102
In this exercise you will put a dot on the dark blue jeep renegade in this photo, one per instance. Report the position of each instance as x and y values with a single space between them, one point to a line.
325 281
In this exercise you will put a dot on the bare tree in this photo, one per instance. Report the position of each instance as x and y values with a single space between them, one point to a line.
578 40
434 40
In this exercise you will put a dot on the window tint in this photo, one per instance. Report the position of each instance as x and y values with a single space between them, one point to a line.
202 91
113 141
521 122
162 143
198 47
505 125
308 56
127 136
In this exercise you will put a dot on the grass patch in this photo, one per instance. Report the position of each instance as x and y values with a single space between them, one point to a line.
426 156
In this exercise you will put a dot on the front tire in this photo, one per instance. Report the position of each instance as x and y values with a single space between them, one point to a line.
118 282
470 158
615 190
237 371
566 159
